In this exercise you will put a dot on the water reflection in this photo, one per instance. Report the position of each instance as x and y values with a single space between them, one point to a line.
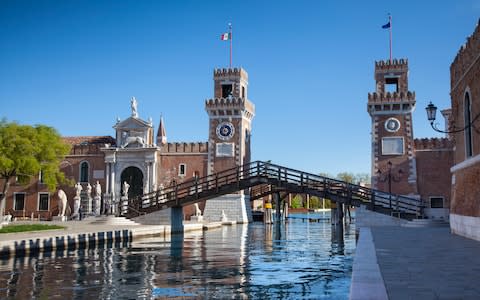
289 261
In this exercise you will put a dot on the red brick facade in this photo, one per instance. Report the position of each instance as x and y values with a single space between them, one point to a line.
465 88
134 154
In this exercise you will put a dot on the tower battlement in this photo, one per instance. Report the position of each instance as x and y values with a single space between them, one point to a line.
226 102
466 57
227 72
433 144
396 64
183 147
391 97
233 106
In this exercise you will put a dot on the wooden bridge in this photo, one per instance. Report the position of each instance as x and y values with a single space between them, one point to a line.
260 179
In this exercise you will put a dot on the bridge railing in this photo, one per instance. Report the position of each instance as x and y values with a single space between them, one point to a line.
194 186
278 176
334 187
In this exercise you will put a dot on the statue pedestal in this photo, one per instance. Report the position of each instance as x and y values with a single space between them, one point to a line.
96 205
89 205
76 207
59 218
124 204
196 219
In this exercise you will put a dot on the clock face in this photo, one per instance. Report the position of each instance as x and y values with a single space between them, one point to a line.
392 125
225 130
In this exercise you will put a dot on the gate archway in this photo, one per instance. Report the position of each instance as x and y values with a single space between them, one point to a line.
134 177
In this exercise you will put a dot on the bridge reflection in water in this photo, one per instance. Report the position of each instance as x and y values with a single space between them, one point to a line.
282 261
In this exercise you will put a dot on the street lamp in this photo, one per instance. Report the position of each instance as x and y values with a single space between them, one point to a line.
390 177
432 111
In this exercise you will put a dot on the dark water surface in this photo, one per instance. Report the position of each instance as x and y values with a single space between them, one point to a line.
299 260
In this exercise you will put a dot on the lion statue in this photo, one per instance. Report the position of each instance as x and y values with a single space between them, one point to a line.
63 207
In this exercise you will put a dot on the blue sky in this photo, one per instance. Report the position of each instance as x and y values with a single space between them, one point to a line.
74 65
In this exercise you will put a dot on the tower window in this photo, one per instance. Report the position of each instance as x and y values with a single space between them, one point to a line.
391 84
226 90
243 92
468 128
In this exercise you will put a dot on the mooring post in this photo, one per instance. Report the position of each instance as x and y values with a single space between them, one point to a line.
278 213
268 212
176 219
285 209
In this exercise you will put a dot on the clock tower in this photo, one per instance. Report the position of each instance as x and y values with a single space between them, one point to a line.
390 107
230 124
230 117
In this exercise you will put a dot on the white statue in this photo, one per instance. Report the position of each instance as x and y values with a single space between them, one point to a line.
133 104
224 216
198 212
78 189
125 188
98 189
89 191
62 203
127 140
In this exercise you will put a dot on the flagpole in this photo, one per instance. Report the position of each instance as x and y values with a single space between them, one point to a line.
230 25
390 29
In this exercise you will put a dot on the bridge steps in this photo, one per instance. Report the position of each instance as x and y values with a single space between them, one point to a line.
112 220
419 223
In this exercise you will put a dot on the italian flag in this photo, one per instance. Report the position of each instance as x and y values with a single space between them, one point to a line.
226 36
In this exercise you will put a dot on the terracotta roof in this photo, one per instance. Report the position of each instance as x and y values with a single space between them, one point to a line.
77 140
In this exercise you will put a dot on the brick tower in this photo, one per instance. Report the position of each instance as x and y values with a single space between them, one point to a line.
391 107
230 117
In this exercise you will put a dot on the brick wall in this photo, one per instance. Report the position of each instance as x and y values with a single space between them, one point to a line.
465 74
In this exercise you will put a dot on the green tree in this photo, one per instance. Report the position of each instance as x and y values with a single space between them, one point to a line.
297 201
25 151
315 202
347 177
362 178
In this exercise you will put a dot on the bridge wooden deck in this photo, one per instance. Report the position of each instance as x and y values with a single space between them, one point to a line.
260 179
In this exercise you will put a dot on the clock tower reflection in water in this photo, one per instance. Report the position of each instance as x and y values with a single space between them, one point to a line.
230 124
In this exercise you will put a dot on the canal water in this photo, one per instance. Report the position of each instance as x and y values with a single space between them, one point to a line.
303 259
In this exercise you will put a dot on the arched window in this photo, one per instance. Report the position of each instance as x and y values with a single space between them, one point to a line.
467 116
84 172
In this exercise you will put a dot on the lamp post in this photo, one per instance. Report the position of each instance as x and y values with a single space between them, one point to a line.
431 115
390 177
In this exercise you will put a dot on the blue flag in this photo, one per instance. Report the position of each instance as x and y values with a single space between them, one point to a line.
386 26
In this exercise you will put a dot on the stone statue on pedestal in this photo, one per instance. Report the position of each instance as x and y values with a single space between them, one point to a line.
62 203
97 198
76 200
124 198
89 198
125 188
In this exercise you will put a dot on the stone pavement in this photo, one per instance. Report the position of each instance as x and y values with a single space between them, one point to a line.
417 263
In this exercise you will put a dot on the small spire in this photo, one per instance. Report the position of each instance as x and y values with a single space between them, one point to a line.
161 133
